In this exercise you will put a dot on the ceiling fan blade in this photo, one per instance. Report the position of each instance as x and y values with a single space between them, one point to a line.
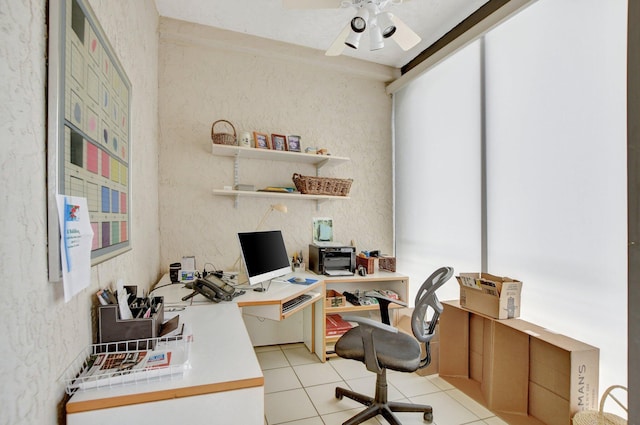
311 4
404 36
338 45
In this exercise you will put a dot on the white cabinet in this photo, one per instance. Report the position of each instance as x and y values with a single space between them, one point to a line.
240 152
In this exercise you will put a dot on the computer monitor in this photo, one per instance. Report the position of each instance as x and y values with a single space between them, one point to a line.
265 256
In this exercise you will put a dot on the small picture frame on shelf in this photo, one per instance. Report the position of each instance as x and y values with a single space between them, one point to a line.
261 140
278 142
293 143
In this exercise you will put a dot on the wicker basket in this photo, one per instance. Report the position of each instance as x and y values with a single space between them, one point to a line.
322 185
600 417
223 138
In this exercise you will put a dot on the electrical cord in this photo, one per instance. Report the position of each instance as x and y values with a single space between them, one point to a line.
158 287
205 272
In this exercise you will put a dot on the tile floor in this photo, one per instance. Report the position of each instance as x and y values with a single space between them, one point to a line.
299 390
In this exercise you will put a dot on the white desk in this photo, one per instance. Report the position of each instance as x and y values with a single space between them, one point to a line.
224 385
301 324
266 304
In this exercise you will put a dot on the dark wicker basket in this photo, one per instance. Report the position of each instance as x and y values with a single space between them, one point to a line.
310 185
223 138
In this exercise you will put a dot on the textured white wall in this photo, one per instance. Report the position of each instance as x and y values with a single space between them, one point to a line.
42 334
335 103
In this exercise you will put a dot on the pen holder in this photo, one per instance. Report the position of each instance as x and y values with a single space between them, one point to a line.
112 328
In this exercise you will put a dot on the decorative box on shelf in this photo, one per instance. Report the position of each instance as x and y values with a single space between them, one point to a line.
367 262
334 299
387 262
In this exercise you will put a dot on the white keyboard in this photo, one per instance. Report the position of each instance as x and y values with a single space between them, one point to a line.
295 302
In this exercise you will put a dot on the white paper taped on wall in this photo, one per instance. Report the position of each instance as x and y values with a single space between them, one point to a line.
76 236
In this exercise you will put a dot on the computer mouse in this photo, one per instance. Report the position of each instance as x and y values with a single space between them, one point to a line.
299 279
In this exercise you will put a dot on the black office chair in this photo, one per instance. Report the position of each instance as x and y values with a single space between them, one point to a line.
380 347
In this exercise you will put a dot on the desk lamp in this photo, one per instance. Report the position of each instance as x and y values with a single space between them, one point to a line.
275 207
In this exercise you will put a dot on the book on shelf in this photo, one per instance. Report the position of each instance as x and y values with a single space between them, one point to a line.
336 325
388 293
280 189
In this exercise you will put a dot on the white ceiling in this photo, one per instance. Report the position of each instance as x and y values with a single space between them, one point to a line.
318 28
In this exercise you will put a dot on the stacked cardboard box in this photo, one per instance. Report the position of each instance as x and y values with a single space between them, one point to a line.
524 373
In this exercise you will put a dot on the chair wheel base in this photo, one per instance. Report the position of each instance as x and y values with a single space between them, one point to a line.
376 407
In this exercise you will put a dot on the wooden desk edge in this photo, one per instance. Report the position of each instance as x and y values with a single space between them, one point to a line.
130 399
376 277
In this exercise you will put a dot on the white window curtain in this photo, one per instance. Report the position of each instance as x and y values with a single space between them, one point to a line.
556 169
437 172
555 125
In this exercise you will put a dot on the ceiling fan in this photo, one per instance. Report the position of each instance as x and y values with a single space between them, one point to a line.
370 18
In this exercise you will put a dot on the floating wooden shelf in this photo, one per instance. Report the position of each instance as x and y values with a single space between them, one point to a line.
240 152
294 196
268 154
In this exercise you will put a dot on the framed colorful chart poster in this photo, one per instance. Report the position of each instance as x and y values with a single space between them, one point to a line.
89 143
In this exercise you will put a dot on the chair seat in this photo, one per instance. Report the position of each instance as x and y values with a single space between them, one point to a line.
395 351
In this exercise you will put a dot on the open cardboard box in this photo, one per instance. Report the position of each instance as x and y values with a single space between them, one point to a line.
524 373
494 296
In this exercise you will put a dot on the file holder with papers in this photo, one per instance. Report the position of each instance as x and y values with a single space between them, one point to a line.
112 328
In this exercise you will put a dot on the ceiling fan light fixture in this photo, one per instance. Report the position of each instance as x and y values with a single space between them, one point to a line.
375 38
359 22
386 24
353 40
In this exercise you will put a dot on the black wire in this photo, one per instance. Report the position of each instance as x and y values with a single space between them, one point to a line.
204 268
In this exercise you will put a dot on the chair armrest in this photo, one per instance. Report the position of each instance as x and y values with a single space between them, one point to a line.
383 303
371 323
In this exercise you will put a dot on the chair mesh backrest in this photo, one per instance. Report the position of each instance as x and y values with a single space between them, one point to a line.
426 299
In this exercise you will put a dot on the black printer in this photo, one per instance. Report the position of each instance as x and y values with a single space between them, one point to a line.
332 260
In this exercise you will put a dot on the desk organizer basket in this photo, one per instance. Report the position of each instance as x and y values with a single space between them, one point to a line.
223 138
310 185
111 327
600 417
118 363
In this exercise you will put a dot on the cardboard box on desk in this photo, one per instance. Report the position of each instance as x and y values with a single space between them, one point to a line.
494 296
